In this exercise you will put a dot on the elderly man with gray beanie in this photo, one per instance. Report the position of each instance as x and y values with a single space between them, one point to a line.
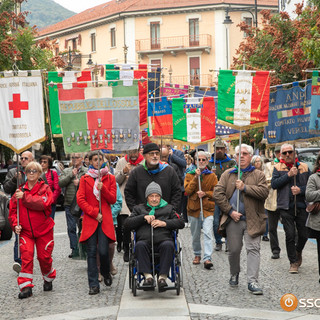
155 213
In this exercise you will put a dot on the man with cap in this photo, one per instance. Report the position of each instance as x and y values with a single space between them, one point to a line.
271 206
151 169
221 162
162 217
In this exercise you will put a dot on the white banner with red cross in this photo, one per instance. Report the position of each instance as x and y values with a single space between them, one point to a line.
22 112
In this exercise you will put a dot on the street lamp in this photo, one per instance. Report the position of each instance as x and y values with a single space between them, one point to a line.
170 74
71 55
227 23
125 51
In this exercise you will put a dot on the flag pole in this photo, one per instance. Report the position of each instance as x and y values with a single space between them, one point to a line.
295 178
18 208
199 182
239 159
214 155
99 179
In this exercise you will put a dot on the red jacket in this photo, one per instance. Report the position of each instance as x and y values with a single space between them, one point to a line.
90 206
34 210
54 184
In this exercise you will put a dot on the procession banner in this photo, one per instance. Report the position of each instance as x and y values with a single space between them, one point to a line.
315 103
289 114
243 98
69 79
22 110
100 117
160 117
127 74
174 91
193 121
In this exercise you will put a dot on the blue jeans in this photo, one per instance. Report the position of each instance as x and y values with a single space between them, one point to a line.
53 210
195 227
216 220
72 228
15 251
101 239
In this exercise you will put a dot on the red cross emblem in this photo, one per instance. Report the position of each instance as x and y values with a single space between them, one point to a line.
16 105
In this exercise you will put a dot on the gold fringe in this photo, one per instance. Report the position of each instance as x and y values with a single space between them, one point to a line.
25 147
255 125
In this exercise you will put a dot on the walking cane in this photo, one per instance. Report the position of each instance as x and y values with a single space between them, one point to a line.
18 209
152 254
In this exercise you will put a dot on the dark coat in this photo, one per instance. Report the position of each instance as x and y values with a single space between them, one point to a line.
137 222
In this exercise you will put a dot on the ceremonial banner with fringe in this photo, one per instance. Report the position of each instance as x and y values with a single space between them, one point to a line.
22 110
315 103
243 98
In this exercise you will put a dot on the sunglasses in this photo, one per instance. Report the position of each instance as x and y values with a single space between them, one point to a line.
24 158
75 157
31 171
287 152
202 160
43 161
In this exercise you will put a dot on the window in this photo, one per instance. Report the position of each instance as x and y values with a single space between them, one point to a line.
155 35
194 32
57 51
156 63
93 42
194 71
248 21
74 44
113 37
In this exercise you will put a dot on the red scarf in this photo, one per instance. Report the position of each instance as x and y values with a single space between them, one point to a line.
134 163
290 165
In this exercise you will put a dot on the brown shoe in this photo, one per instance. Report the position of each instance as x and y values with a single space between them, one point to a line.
299 258
294 267
196 260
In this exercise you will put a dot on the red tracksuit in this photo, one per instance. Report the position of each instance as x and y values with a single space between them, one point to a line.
37 229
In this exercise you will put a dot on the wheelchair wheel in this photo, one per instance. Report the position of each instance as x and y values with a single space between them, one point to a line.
177 284
134 286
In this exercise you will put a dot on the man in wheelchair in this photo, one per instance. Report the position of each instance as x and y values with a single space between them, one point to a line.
156 218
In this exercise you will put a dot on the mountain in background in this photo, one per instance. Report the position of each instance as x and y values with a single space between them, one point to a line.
45 12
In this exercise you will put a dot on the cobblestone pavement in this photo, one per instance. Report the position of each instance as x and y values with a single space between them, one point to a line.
201 286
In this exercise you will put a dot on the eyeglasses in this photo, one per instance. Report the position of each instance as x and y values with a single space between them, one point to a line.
154 154
243 154
202 160
24 158
32 171
75 157
43 161
287 152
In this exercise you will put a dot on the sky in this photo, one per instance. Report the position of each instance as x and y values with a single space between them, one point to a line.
79 5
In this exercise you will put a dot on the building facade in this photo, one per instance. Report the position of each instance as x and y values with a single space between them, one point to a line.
188 39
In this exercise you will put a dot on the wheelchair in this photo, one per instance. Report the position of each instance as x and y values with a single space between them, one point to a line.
175 273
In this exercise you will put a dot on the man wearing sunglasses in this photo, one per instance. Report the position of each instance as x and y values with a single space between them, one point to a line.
290 178
10 187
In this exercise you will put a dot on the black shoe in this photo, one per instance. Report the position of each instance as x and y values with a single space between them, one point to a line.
71 254
25 293
234 280
275 255
108 280
162 284
94 290
208 264
47 286
148 282
265 238
126 256
119 247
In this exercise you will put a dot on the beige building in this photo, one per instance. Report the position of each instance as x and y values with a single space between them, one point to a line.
187 38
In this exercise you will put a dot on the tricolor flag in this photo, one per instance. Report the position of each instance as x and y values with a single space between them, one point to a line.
69 80
315 103
243 98
192 121
22 111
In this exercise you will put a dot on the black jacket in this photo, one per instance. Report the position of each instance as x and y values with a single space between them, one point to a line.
140 178
137 222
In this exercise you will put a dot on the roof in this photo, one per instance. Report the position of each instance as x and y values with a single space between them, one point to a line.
114 7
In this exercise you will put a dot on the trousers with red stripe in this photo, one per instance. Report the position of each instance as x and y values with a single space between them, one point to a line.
44 245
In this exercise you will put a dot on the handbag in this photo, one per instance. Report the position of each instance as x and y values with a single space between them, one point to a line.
313 207
74 208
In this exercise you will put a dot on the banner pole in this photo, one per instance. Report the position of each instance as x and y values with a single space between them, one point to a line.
214 156
18 208
99 179
295 178
239 159
199 182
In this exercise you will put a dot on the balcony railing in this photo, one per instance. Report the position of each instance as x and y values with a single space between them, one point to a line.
75 59
201 80
173 43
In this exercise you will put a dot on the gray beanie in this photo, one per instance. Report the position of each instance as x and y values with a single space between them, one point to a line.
153 188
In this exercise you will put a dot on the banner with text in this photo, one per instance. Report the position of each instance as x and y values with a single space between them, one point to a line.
315 103
22 112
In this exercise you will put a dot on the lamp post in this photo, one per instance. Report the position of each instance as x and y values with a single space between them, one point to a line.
71 55
170 74
227 23
125 51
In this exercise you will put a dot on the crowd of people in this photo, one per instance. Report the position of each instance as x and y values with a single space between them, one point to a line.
240 198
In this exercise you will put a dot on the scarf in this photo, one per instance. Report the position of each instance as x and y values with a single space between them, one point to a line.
205 171
290 165
162 204
276 160
93 173
226 159
134 163
249 168
154 171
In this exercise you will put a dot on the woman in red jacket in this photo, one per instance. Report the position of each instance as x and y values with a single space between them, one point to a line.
51 178
97 227
35 229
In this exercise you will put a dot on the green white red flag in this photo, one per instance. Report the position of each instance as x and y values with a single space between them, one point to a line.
243 99
193 120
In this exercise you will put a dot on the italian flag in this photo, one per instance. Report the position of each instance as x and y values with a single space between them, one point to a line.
243 98
193 120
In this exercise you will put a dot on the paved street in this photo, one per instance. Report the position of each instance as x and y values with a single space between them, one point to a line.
206 294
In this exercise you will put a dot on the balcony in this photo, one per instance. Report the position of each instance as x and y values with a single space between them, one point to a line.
174 45
73 57
205 80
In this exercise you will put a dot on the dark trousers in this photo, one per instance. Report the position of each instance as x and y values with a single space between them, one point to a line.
98 237
71 228
143 254
123 235
15 250
316 234
216 221
290 223
184 202
273 220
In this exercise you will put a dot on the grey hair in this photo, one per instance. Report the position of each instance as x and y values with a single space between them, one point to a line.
286 145
202 153
243 145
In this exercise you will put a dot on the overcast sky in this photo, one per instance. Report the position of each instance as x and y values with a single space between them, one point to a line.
80 5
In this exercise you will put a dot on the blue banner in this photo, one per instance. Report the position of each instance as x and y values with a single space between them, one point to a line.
289 114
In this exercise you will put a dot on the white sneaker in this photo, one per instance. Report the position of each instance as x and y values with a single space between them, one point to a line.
113 269
16 267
